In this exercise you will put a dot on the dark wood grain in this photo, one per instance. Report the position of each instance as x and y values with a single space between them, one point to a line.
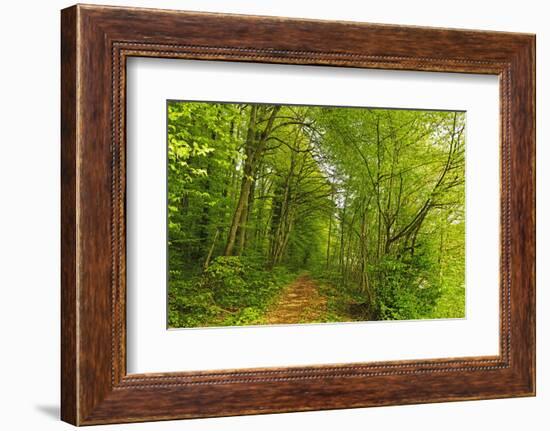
69 366
96 41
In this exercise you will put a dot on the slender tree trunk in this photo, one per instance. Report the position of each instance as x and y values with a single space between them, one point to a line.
286 237
364 281
245 218
342 233
259 223
254 149
211 251
280 218
329 232
246 181
241 204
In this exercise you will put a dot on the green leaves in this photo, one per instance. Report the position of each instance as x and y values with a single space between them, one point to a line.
369 200
232 291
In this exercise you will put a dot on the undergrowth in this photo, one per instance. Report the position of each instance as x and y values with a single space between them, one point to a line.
233 291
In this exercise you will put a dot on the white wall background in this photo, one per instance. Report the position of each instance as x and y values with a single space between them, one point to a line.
29 215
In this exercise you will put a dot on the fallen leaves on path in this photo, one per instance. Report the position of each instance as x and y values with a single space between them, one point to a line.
300 302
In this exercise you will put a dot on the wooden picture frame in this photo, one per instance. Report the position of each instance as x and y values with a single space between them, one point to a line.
95 43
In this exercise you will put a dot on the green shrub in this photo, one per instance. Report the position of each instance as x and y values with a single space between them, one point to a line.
225 279
188 304
405 288
232 291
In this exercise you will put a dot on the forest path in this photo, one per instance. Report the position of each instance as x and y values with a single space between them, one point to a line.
300 302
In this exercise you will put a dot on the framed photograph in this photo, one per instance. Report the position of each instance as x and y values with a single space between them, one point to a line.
264 215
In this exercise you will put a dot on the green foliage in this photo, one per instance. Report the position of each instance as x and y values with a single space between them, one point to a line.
232 291
201 144
225 279
370 202
189 305
405 288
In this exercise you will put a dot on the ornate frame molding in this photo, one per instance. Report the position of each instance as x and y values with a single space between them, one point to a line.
96 41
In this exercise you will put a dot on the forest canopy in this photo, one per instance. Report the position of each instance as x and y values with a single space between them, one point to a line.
305 214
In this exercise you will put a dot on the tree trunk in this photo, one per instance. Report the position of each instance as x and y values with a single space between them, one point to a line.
254 149
246 182
211 251
245 217
237 215
280 219
342 240
329 237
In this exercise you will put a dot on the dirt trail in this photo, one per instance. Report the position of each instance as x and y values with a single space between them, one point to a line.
300 302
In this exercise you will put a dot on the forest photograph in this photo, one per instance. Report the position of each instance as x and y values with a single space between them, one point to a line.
291 214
